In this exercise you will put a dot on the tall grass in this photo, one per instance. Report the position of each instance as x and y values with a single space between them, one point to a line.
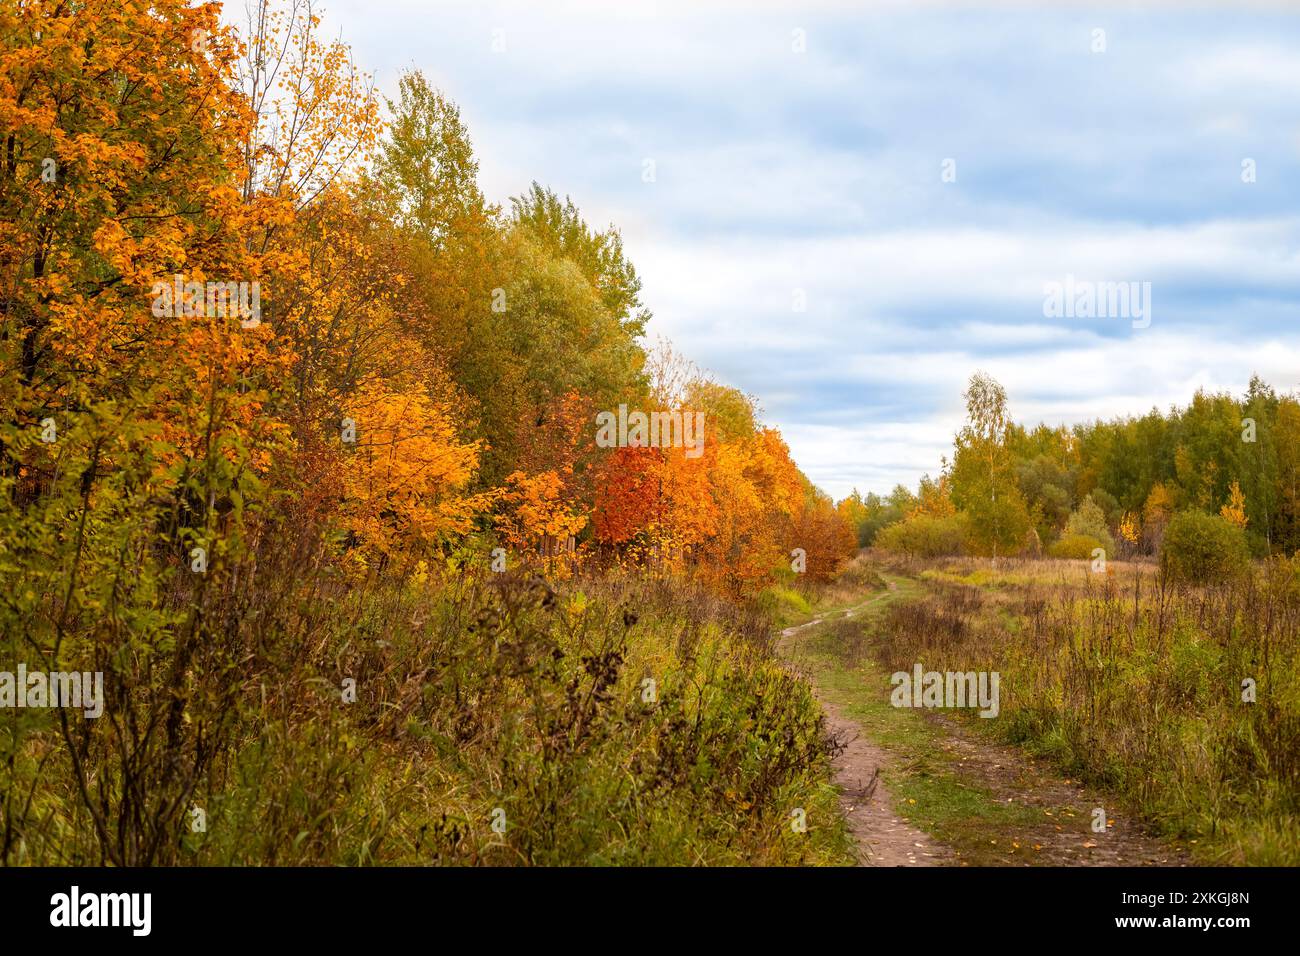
1136 684
497 719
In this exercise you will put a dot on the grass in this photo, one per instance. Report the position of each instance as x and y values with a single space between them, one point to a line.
1134 685
496 721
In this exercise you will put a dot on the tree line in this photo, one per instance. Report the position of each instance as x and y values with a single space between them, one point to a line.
1117 485
420 383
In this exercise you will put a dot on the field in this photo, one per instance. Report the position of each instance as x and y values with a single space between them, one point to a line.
1120 680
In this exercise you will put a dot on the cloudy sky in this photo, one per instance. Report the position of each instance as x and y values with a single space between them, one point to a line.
799 152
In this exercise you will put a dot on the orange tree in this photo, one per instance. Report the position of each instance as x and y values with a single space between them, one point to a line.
134 433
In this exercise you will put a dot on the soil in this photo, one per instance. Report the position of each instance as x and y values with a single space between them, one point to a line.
883 839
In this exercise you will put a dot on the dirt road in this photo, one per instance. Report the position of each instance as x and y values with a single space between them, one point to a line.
919 789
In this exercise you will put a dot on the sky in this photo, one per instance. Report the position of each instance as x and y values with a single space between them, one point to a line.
847 209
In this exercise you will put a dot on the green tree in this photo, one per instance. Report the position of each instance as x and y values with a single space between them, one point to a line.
1286 443
1048 489
1088 520
1258 465
560 228
428 161
983 477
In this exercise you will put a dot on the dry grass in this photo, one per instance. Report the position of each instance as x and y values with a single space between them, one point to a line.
1135 684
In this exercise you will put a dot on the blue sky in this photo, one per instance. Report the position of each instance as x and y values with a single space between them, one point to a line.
820 171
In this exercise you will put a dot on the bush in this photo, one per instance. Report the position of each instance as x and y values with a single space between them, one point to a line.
1258 544
1201 548
474 693
1078 547
1089 521
924 536
782 603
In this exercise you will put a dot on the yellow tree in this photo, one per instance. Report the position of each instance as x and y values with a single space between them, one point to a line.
405 483
534 517
130 343
1156 512
1234 511
933 499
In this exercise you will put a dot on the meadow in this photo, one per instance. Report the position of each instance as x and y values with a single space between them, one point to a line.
1182 700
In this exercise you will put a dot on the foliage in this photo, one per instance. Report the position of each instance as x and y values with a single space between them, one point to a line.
925 536
1237 457
1075 546
229 511
1201 548
1234 511
1089 521
983 479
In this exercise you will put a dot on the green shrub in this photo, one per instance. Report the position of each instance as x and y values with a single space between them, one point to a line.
1201 548
1078 547
783 604
1258 544
1089 521
604 721
924 536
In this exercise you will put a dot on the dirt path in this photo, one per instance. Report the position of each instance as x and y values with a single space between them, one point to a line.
1032 816
883 839
1064 835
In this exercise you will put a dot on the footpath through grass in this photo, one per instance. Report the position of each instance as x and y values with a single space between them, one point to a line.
927 779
